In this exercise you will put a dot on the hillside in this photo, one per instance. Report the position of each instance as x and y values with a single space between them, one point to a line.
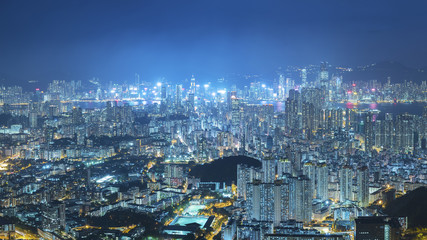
413 205
223 169
382 70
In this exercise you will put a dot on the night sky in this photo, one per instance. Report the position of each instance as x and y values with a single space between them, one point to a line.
113 40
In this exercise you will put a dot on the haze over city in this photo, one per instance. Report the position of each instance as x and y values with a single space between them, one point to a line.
78 40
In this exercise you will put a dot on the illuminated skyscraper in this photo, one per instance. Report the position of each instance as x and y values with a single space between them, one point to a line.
193 84
322 182
346 182
309 170
281 90
235 113
304 77
324 74
303 199
363 186
369 132
268 170
281 200
178 96
245 175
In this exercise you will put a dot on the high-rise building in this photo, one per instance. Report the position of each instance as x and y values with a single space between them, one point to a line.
363 186
178 96
191 102
322 182
283 166
235 113
304 77
77 116
369 132
163 97
281 90
268 170
33 119
193 85
324 74
303 199
281 201
309 170
245 175
346 182
405 131
254 200
53 216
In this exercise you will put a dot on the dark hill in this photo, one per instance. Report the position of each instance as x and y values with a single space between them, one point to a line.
223 169
382 70
413 205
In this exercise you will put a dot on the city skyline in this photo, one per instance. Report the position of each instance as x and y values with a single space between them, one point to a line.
213 120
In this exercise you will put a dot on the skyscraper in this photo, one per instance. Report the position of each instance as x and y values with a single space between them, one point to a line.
363 186
245 175
309 170
281 201
303 199
178 96
322 182
281 90
369 132
304 77
268 170
324 74
346 182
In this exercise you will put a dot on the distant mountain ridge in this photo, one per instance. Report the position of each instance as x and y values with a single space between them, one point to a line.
382 70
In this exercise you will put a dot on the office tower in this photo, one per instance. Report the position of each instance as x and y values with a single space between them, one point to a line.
363 186
230 96
289 85
193 85
346 182
304 77
268 170
191 103
322 181
323 75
